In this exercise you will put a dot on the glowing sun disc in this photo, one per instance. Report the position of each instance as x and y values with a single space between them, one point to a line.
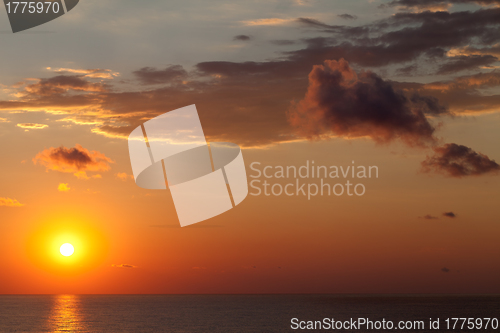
67 249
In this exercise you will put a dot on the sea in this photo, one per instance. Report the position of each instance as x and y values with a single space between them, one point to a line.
247 313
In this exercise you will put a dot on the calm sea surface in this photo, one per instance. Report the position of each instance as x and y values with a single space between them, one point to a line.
234 313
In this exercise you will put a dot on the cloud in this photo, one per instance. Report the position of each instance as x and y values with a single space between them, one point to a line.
7 202
91 73
404 37
123 266
124 176
461 63
4 120
243 38
347 16
435 5
470 50
32 126
150 75
268 21
61 84
77 160
430 217
459 161
253 97
464 94
63 187
445 270
450 214
341 102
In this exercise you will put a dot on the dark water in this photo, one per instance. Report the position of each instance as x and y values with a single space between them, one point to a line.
230 313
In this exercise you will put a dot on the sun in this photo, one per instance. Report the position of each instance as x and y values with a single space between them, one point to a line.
67 249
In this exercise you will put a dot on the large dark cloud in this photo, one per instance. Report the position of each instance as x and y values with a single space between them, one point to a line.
341 102
459 161
149 75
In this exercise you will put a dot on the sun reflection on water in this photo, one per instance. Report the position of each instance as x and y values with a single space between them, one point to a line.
65 315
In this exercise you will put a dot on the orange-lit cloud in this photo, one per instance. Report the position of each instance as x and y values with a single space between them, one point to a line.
268 21
63 187
32 126
4 120
61 84
77 160
92 73
7 202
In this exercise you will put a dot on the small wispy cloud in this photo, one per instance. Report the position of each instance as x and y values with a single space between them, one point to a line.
32 126
268 21
4 120
8 202
96 73
243 38
123 266
429 217
450 214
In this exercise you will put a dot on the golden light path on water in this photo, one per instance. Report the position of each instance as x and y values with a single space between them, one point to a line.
65 315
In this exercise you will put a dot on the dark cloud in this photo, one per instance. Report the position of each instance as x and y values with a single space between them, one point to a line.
462 63
402 38
61 84
243 38
150 75
347 17
445 270
450 214
77 160
435 4
459 161
341 102
430 217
